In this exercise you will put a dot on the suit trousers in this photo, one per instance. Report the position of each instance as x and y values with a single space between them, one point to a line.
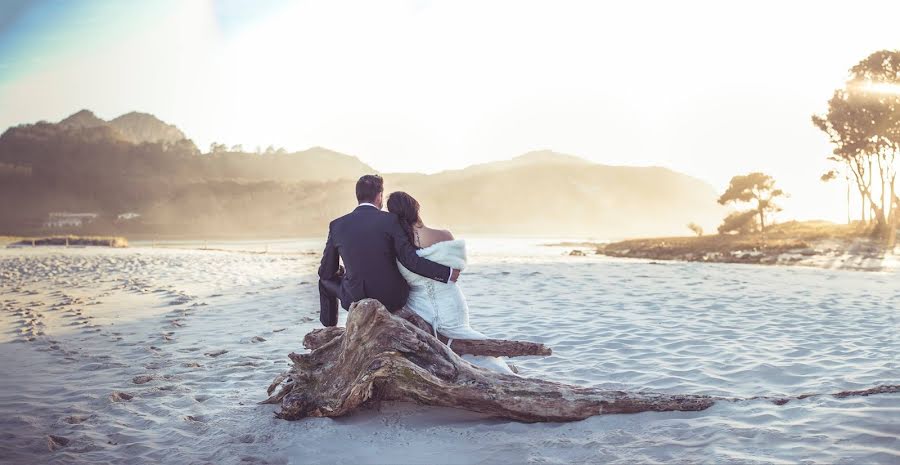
329 296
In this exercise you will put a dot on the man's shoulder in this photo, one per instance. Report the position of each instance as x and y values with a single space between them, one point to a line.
366 214
339 220
388 219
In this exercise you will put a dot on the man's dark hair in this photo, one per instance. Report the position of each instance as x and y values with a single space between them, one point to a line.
368 187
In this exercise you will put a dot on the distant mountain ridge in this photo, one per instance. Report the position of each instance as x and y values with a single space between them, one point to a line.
550 193
82 119
133 127
143 127
84 127
138 163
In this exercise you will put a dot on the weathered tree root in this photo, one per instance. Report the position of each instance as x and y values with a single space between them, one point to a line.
490 347
382 357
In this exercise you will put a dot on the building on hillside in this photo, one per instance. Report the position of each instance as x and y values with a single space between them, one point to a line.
69 220
127 216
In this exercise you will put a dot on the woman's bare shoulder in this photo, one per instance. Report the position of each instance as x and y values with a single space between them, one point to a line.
437 235
444 234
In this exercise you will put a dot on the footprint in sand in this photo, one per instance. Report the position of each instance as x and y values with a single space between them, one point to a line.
56 442
216 353
120 396
142 379
181 300
257 339
191 365
76 419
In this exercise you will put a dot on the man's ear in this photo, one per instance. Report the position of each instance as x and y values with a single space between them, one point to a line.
379 199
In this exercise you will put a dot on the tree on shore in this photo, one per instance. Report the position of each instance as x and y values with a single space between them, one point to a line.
832 175
695 228
739 222
757 189
216 148
863 124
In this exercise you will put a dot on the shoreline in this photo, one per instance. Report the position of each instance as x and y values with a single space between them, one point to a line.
810 244
115 242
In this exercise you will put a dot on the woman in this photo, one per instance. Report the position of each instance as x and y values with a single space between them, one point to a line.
442 305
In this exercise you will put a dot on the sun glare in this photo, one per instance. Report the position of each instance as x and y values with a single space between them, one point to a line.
882 88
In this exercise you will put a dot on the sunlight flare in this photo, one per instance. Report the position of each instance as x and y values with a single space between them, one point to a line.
881 88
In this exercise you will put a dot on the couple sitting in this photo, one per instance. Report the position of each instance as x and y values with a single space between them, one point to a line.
394 258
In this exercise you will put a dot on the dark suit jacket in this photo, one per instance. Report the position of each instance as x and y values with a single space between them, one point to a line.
370 242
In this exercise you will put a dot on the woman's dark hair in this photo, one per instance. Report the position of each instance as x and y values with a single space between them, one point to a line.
407 209
368 187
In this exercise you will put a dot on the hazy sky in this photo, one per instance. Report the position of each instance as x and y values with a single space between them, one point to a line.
711 89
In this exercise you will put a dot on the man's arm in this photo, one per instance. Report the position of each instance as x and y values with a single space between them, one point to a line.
330 258
407 255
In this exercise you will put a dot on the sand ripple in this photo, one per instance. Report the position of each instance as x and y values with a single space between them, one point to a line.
141 355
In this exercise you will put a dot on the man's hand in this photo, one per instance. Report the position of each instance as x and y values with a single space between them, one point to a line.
454 275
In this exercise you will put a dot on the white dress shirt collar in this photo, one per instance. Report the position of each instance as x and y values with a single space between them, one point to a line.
367 203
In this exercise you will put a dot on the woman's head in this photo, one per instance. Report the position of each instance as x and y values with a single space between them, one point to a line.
407 209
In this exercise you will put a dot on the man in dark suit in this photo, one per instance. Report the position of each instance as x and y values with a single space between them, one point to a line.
370 241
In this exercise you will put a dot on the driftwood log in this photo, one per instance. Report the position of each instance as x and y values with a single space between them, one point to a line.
491 347
383 357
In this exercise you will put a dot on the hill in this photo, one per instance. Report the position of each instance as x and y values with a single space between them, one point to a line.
313 164
544 193
133 127
82 119
555 194
142 127
137 164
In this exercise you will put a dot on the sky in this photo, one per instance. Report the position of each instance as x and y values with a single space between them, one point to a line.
708 88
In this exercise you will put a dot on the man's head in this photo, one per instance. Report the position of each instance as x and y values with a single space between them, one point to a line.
370 189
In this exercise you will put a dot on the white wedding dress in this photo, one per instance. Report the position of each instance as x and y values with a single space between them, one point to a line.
443 305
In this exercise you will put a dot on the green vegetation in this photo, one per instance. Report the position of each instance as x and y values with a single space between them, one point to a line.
115 242
756 189
695 228
141 178
863 125
791 237
137 163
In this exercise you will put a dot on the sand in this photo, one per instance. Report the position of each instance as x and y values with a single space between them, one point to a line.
150 355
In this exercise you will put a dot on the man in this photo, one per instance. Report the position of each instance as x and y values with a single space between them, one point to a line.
370 242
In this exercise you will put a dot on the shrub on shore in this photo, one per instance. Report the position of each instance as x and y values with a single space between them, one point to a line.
739 222
793 236
99 241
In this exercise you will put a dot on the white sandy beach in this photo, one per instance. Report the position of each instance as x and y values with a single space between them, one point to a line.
160 355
